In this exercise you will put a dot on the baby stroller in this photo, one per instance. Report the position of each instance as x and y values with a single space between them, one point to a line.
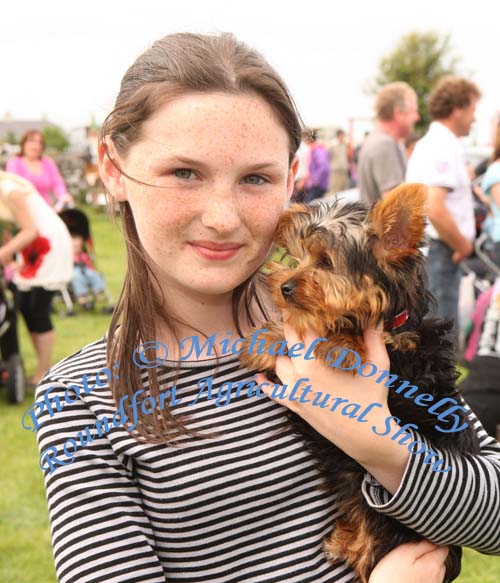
481 387
78 226
11 366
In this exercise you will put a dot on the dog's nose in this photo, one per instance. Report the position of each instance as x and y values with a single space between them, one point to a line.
287 288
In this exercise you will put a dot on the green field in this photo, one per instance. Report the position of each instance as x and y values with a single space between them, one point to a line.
25 550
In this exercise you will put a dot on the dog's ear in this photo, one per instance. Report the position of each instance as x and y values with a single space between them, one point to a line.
289 225
398 223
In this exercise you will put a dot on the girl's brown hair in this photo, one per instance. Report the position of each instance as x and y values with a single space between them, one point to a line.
175 65
26 136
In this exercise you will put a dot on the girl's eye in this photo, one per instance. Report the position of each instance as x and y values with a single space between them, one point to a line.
183 173
255 179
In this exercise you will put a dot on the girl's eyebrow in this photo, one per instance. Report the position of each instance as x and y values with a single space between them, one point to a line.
271 165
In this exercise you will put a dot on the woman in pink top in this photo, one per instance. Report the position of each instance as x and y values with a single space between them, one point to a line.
40 170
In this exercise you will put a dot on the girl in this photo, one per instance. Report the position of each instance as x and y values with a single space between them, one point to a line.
199 152
45 246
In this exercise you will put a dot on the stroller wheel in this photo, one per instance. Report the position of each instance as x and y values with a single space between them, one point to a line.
15 381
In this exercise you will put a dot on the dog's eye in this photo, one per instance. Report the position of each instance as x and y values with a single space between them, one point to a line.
325 262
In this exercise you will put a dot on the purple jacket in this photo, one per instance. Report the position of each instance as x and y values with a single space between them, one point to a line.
319 167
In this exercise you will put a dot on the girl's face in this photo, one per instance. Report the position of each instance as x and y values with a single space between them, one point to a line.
219 164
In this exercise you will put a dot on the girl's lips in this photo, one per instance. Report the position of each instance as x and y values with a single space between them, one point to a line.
216 252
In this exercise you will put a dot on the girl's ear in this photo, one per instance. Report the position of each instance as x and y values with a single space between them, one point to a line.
111 176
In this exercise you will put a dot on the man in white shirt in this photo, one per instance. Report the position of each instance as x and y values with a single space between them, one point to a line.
438 161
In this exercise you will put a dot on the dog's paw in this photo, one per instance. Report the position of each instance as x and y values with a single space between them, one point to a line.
332 353
259 352
259 362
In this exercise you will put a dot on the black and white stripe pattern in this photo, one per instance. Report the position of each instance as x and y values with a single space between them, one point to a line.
243 506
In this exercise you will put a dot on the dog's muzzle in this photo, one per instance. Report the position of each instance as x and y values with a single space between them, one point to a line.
287 288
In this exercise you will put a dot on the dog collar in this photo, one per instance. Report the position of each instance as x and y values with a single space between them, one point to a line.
397 321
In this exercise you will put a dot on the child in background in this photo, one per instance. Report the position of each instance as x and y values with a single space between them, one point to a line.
85 276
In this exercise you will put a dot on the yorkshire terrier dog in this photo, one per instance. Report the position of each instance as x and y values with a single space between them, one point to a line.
349 268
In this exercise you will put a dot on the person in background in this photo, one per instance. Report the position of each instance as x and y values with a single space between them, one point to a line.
439 161
410 142
85 276
45 247
490 186
318 176
40 170
339 160
481 387
303 156
382 161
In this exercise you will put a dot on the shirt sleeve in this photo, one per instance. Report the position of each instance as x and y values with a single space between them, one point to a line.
100 532
459 507
57 182
14 165
387 166
435 166
491 178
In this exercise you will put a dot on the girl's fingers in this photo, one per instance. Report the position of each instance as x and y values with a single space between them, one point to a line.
441 553
285 370
423 547
376 350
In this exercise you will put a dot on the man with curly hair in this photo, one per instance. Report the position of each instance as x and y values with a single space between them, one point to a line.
439 161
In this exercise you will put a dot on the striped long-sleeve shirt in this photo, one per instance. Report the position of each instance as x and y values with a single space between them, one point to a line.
243 506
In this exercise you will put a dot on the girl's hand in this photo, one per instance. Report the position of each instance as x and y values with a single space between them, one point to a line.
5 257
421 562
352 397
328 380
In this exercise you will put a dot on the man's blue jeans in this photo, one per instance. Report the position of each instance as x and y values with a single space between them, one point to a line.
444 280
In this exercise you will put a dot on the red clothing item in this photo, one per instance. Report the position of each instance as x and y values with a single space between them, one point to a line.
82 258
33 256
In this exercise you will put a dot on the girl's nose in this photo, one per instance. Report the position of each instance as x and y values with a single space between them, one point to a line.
221 211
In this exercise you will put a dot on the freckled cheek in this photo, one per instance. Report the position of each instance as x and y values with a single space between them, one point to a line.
160 227
264 220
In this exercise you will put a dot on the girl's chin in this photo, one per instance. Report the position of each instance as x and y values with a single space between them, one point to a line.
215 288
219 285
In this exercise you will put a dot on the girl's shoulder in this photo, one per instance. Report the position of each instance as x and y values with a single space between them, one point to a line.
87 360
493 169
47 161
10 183
14 164
492 176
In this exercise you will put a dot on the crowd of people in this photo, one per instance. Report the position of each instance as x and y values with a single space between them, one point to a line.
393 153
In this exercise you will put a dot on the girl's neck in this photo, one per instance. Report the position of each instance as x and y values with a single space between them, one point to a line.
32 161
205 315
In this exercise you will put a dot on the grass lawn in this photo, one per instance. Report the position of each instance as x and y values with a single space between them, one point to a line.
25 549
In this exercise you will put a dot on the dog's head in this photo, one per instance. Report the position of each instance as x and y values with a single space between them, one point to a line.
350 267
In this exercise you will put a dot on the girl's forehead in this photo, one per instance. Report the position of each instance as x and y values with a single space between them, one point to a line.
216 120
